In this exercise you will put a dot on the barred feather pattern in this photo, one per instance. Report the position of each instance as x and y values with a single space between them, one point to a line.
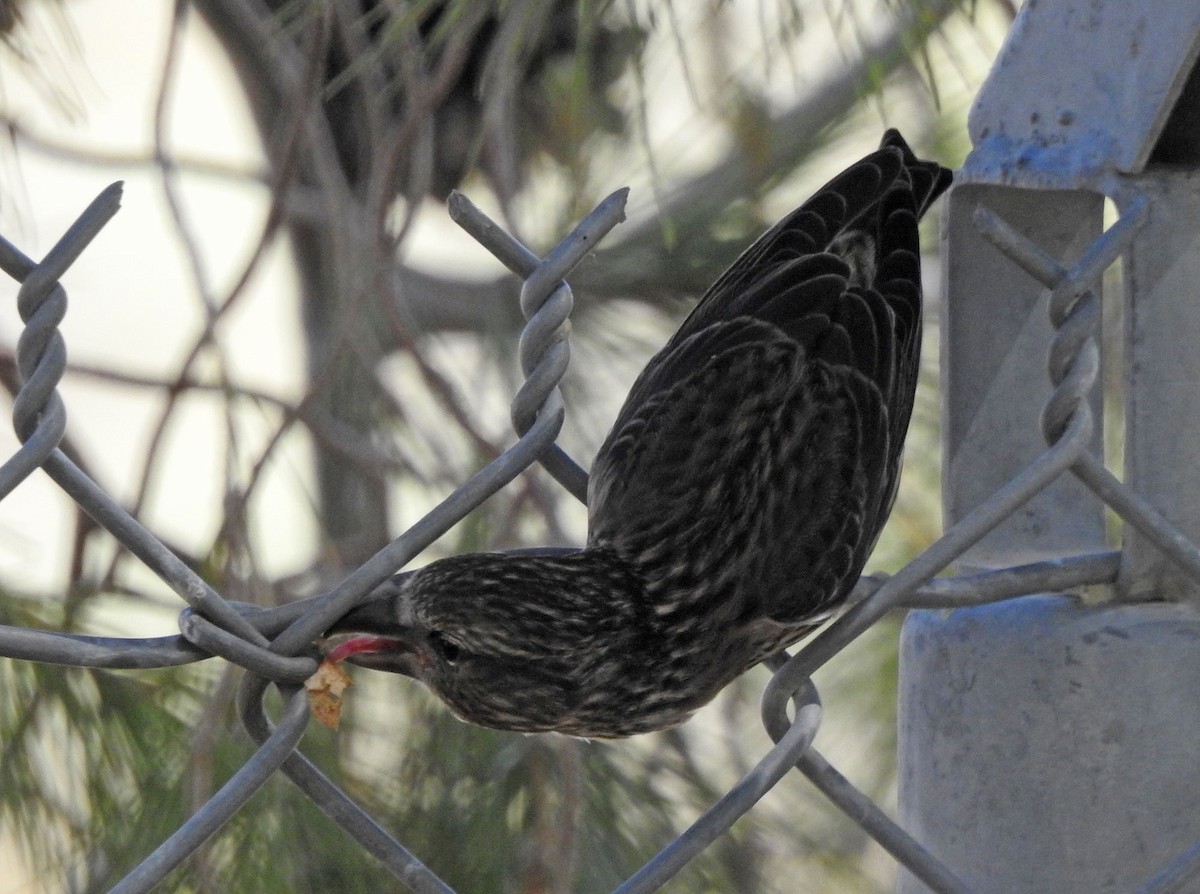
735 501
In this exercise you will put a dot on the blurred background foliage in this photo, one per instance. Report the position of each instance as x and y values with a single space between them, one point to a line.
721 116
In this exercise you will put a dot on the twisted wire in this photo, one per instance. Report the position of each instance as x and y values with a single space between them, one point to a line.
39 417
1073 362
546 302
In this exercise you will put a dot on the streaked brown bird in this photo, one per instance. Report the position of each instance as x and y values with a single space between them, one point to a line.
732 506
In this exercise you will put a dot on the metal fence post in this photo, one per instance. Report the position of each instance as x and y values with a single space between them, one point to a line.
1162 376
1047 744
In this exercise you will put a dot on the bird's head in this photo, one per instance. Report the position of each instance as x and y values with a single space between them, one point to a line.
505 641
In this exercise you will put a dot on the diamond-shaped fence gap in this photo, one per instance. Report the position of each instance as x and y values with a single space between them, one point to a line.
1112 371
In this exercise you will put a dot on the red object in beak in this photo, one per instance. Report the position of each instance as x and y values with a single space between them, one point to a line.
358 644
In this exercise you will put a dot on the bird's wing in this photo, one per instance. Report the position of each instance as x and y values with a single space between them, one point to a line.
754 471
811 338
858 230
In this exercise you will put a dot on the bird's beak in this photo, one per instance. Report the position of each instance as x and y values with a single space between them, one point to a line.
371 635
396 655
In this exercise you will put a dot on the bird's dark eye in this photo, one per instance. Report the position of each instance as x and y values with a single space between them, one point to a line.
447 650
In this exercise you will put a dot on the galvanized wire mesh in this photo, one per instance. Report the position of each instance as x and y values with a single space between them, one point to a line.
272 644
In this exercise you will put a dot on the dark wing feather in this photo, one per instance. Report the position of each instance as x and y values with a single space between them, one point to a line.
697 471
763 442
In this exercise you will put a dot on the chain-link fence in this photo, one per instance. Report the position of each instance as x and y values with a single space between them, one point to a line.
272 644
